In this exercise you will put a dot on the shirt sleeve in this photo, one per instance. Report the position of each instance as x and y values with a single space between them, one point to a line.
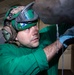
30 64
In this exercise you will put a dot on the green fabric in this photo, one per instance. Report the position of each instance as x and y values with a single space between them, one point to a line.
16 60
21 61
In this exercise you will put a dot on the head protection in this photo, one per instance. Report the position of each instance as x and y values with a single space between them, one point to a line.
19 18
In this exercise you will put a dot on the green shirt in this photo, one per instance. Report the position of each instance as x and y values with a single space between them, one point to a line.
15 60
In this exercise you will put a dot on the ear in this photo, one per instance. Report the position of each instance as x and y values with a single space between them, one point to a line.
16 39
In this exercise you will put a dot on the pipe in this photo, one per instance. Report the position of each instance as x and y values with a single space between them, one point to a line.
55 11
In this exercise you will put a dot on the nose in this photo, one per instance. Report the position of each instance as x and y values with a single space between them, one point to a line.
35 27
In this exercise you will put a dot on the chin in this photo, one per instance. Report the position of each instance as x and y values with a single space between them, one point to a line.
35 45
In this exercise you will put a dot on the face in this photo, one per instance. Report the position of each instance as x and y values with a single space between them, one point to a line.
29 37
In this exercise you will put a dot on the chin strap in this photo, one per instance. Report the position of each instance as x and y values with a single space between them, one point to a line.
57 35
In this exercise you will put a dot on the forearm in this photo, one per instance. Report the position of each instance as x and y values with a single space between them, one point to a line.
52 49
13 64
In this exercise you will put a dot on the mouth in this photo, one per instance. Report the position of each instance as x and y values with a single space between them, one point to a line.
36 39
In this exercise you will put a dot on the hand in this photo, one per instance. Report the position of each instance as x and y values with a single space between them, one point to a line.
68 37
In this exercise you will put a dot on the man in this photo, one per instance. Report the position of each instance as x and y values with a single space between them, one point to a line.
29 51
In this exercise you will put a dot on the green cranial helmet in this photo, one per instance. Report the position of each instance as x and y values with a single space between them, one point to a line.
21 17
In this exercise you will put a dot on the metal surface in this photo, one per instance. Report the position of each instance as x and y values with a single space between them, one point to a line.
55 11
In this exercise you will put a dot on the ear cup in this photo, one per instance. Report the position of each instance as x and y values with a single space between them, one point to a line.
7 33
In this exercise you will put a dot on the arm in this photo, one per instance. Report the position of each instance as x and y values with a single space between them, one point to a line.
12 64
52 49
66 39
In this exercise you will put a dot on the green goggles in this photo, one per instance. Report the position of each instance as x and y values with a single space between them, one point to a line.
23 26
27 18
24 19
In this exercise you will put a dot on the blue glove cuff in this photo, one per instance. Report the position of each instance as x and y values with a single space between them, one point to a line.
62 39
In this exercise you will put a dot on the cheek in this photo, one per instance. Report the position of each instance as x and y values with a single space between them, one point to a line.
23 38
